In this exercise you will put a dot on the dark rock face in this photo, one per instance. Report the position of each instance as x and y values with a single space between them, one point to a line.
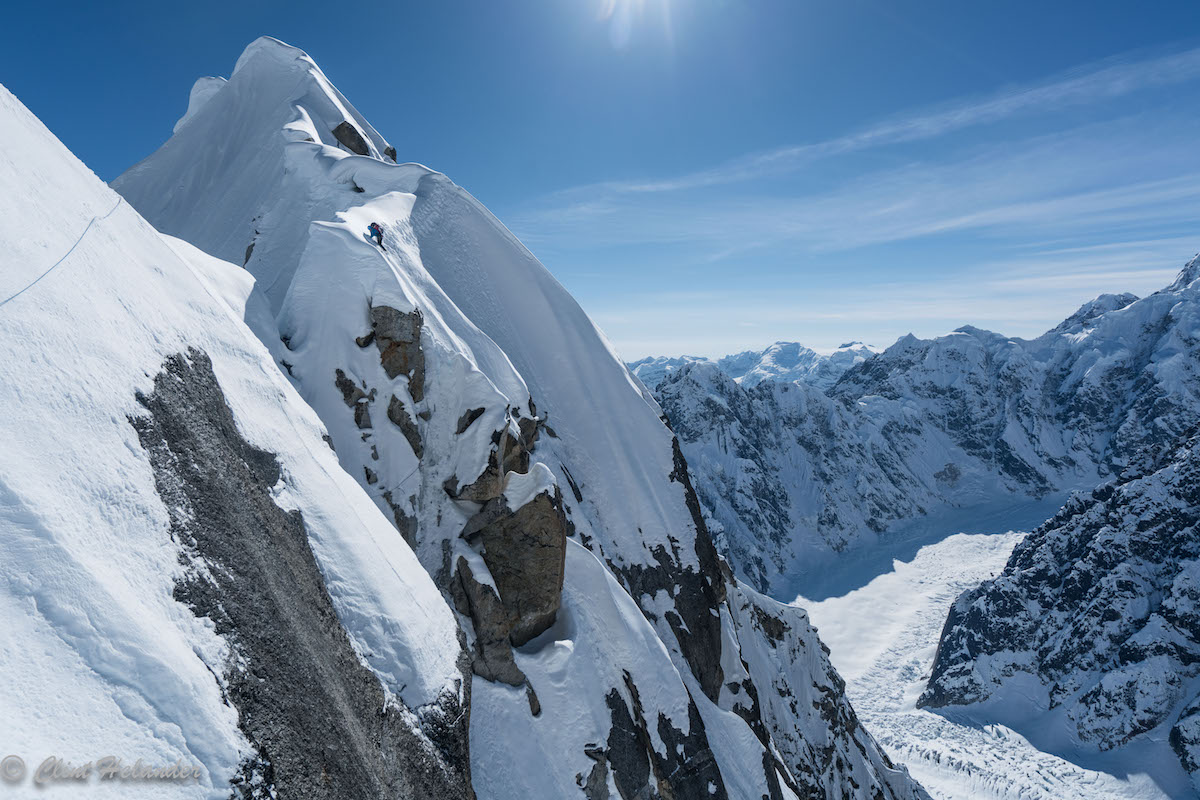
822 750
351 138
508 455
318 717
492 622
697 593
469 416
1101 605
1185 739
816 735
356 399
526 553
398 337
398 414
405 524
390 152
640 771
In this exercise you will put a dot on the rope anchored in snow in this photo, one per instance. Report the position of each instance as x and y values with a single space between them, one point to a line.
64 258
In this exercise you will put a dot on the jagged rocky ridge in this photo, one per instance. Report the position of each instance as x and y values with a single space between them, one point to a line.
531 475
790 473
1095 621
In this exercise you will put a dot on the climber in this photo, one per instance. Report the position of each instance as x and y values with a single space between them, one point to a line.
377 233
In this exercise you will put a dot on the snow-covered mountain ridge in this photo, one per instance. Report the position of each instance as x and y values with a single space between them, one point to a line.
560 554
187 573
782 361
789 473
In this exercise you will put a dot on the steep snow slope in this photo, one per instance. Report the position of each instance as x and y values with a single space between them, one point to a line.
950 422
1090 637
488 417
782 361
186 573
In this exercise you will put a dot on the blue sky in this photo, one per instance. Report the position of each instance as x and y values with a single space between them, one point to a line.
708 175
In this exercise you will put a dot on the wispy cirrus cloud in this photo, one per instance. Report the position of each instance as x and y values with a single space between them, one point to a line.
1091 180
1089 84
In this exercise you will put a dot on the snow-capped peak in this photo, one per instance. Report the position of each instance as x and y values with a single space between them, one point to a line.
1094 308
781 362
1187 276
482 410
202 91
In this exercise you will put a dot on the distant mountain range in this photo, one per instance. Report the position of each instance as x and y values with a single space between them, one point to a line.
782 361
1098 608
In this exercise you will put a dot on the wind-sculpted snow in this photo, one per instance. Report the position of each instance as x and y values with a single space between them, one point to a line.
488 418
791 474
1095 621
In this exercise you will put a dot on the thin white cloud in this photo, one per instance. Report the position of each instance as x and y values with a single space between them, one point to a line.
1091 181
1085 85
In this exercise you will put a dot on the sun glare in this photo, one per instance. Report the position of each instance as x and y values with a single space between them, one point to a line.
623 15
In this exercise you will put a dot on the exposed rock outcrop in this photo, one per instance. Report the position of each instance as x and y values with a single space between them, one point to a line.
687 769
351 138
492 622
355 398
398 414
524 549
817 735
469 416
398 337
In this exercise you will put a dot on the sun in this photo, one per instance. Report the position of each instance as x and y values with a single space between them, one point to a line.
624 15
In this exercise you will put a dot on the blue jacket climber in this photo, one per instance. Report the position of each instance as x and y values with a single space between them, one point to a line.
377 232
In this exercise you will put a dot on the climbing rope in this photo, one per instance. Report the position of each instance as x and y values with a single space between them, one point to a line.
64 258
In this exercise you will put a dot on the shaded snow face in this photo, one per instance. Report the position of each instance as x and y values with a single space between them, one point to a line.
485 414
